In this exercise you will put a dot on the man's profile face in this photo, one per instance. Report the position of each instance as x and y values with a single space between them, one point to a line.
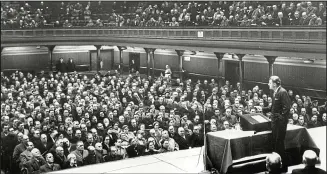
271 85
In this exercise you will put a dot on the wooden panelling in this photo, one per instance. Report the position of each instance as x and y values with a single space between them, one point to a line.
305 77
201 66
28 61
107 56
256 71
93 55
143 60
160 61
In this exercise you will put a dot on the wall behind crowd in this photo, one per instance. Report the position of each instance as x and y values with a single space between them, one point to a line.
295 74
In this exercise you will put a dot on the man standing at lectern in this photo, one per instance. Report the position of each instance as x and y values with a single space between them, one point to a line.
280 110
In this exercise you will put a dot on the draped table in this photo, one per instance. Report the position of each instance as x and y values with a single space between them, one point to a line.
224 147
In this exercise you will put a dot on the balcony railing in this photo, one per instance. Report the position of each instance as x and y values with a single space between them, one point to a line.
287 34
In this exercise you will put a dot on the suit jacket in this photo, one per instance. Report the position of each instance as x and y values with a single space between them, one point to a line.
46 168
282 22
20 148
183 143
281 105
71 66
33 166
197 140
134 151
100 156
60 160
24 157
61 67
80 157
43 149
308 170
90 159
68 166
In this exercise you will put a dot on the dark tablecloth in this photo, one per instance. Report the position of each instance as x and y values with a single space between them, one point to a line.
223 147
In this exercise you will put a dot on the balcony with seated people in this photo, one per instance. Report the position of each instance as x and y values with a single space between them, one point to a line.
256 28
20 15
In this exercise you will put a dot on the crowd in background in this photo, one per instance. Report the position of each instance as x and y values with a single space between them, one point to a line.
160 14
64 120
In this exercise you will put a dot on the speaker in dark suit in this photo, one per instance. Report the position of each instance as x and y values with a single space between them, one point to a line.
280 111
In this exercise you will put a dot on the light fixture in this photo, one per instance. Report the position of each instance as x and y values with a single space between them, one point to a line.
190 52
309 61
123 48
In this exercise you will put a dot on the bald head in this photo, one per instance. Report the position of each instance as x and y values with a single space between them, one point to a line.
273 162
36 152
310 158
91 148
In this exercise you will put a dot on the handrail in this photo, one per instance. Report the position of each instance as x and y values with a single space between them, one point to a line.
181 27
311 34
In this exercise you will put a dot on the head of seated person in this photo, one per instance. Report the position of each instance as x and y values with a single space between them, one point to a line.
274 163
310 158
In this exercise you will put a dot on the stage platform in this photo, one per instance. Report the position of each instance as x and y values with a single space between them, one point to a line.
185 161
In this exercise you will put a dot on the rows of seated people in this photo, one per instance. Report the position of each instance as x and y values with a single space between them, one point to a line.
65 120
160 14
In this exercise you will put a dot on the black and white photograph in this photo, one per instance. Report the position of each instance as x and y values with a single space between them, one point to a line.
206 87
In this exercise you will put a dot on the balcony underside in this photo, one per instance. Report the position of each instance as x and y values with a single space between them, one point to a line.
316 50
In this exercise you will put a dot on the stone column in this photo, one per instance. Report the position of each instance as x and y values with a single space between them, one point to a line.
271 61
152 60
219 59
148 59
240 64
121 49
180 58
50 52
98 57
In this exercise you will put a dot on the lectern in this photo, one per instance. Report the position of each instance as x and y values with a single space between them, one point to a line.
255 122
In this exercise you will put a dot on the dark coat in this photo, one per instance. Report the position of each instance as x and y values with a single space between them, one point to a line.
182 143
33 166
151 152
61 67
43 149
20 148
197 140
60 160
281 105
68 166
71 67
90 159
46 168
134 151
283 22
308 170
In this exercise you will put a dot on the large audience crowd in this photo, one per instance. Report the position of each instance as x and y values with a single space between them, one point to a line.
159 14
63 120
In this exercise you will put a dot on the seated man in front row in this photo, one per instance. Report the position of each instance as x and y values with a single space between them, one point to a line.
274 163
310 159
